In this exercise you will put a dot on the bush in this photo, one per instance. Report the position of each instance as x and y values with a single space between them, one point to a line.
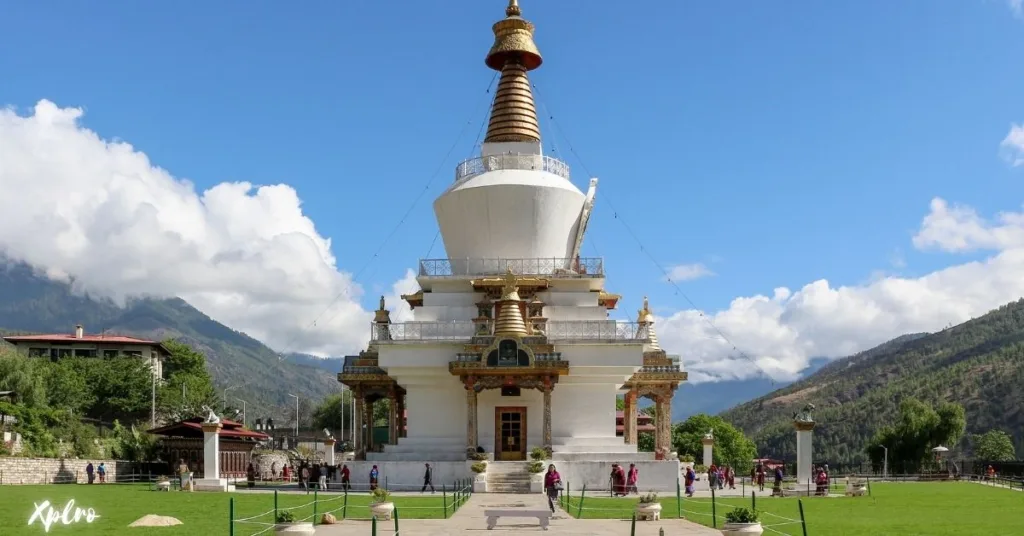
380 495
478 456
536 467
650 498
285 516
686 458
700 468
479 467
538 454
741 515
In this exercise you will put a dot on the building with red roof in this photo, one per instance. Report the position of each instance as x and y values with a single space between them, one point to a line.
183 440
55 346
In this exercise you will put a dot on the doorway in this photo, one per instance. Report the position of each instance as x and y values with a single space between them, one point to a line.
510 434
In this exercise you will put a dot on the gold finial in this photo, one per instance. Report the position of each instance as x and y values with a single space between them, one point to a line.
510 291
513 112
510 317
513 9
644 315
645 318
382 302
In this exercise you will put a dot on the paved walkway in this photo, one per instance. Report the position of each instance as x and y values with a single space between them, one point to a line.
470 519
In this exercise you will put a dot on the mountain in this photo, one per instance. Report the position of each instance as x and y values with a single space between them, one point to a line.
715 397
31 303
979 364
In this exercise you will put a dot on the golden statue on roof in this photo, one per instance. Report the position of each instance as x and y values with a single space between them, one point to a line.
510 291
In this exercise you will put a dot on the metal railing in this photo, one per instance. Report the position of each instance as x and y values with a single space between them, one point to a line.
532 162
362 370
464 330
660 368
547 266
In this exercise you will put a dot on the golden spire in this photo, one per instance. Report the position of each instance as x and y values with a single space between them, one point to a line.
645 318
510 314
513 113
382 315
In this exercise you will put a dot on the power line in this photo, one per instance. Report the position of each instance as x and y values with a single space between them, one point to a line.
643 249
387 239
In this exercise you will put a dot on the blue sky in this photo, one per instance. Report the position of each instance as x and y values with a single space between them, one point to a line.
775 142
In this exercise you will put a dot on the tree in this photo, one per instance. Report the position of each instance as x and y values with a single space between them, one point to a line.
731 446
67 386
994 446
19 374
918 429
187 386
334 413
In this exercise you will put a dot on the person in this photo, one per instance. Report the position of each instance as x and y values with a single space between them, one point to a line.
712 475
89 472
691 476
102 471
631 478
552 485
760 477
720 478
286 473
250 476
304 476
777 489
323 477
182 474
273 471
618 480
731 476
428 480
374 474
345 474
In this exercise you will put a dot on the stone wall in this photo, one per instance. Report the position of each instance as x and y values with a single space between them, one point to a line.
15 470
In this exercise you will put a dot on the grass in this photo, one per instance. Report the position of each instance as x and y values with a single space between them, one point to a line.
201 513
904 509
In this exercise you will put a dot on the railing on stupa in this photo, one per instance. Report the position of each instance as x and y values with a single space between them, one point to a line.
551 267
463 330
529 162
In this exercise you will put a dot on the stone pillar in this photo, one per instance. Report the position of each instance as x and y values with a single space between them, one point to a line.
211 480
368 421
659 425
547 419
804 454
401 416
472 439
629 415
666 423
329 450
360 434
709 445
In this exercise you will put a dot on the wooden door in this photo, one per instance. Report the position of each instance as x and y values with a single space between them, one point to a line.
510 433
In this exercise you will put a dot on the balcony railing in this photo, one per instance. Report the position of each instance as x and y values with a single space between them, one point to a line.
483 164
549 266
362 370
463 331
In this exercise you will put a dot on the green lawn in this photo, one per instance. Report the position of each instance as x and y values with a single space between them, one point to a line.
202 514
904 509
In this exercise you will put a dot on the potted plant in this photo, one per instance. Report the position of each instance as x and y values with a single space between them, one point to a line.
538 454
648 508
480 468
286 524
163 483
381 507
741 521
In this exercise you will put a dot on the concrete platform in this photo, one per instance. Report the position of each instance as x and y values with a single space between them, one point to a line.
470 519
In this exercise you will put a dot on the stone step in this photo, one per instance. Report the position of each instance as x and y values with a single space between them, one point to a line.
509 480
504 488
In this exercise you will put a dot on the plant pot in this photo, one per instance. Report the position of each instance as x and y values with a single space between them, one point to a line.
480 477
742 528
302 527
383 510
648 511
163 485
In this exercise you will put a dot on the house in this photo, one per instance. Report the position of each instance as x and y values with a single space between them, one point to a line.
183 440
78 344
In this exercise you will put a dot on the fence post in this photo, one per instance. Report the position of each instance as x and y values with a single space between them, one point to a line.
753 500
275 506
395 516
444 499
231 517
373 526
344 505
632 526
314 507
565 497
714 514
803 522
579 510
869 487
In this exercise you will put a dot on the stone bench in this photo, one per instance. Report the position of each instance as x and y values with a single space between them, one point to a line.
544 516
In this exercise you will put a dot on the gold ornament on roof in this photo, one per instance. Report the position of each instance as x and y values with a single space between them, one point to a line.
509 291
645 318
513 112
510 315
382 315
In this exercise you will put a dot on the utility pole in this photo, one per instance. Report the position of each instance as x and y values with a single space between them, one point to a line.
296 415
243 412
152 410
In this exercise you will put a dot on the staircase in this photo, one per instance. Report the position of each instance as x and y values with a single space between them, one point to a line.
508 477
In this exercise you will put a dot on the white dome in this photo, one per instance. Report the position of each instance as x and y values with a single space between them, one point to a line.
510 214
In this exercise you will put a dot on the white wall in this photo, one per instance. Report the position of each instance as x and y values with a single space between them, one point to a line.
583 410
407 476
437 411
659 476
606 355
556 313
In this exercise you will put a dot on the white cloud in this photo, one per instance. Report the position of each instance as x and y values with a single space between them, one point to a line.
74 203
782 332
1012 146
688 272
1017 7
